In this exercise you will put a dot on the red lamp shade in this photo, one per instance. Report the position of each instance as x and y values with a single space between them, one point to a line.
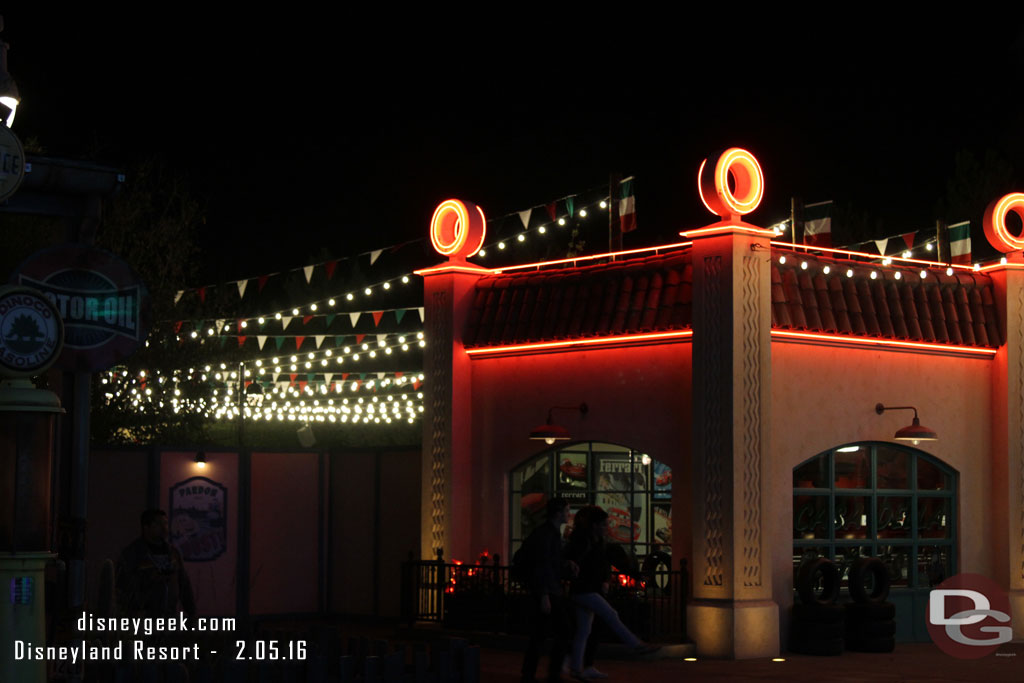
549 433
916 432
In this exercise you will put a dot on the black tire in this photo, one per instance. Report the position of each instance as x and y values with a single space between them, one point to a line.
869 628
806 631
828 648
869 611
807 578
862 568
814 613
885 644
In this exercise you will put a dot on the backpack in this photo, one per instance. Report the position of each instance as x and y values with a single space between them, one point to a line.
524 563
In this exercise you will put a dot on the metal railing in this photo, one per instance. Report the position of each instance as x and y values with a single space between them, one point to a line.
483 597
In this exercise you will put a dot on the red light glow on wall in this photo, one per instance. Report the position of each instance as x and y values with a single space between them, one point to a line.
748 184
999 236
580 343
457 228
893 343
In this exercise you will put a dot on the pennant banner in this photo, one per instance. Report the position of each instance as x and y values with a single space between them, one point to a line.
319 340
308 272
177 296
374 255
524 216
242 284
881 245
354 318
261 339
285 319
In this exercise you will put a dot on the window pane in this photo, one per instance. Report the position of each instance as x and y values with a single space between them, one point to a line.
852 516
845 556
930 477
933 517
662 480
893 468
663 526
572 475
853 469
810 517
812 474
534 476
897 561
934 564
893 520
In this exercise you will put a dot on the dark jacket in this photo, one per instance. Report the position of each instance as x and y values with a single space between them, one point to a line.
545 543
592 559
151 581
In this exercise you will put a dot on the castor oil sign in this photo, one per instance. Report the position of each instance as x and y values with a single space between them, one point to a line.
102 303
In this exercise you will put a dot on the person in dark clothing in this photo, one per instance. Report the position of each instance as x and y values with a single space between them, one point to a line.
150 578
549 610
586 549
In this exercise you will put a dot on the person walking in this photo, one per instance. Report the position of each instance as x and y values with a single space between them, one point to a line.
151 579
586 549
549 611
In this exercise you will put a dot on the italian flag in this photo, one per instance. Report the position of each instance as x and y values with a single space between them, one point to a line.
627 206
960 242
818 224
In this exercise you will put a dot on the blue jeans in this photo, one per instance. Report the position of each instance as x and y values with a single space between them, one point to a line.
587 606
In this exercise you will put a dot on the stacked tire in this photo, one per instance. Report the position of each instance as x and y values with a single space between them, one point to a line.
869 618
816 627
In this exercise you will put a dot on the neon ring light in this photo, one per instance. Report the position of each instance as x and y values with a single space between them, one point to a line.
995 222
713 184
457 228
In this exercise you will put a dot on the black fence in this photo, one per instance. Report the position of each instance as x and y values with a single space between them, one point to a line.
483 597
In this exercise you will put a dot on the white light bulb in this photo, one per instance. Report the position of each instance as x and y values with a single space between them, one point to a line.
501 245
312 307
826 270
350 296
949 270
583 213
898 275
261 320
782 259
604 204
330 302
277 315
874 275
244 324
924 274
849 272
521 237
907 254
542 230
561 221
405 279
803 265
367 291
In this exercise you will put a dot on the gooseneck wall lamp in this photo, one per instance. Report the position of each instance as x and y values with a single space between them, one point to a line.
549 432
915 431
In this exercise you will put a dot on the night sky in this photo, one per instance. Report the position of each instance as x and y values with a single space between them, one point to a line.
299 133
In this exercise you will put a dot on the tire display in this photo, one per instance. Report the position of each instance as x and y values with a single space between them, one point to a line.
862 569
874 611
818 614
808 578
870 626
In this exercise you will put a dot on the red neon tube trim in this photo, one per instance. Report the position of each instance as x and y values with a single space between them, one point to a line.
725 229
994 222
925 346
538 264
678 334
453 268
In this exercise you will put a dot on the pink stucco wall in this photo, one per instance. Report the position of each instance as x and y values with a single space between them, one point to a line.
825 396
638 397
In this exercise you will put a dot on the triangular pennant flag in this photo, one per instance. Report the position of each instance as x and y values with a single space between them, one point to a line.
359 338
298 342
568 205
327 378
374 255
291 378
319 340
423 313
357 383
308 272
344 376
909 239
416 383
310 376
223 340
261 339
177 326
329 267
399 314
285 319
302 385
202 294
380 375
377 315
177 296
241 341
381 338
306 319
279 341
881 245
329 318
398 374
339 340
219 325
524 216
552 210
242 284
354 317
261 281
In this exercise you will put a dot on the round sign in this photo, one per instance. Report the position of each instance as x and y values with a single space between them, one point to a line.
748 183
968 616
31 332
999 236
457 228
104 305
12 162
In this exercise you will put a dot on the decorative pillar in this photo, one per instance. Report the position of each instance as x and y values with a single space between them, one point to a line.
1007 420
446 501
731 614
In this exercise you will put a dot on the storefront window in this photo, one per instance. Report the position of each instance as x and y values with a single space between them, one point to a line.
633 488
881 500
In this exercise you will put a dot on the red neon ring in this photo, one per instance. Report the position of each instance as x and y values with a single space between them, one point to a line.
457 228
999 236
713 187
